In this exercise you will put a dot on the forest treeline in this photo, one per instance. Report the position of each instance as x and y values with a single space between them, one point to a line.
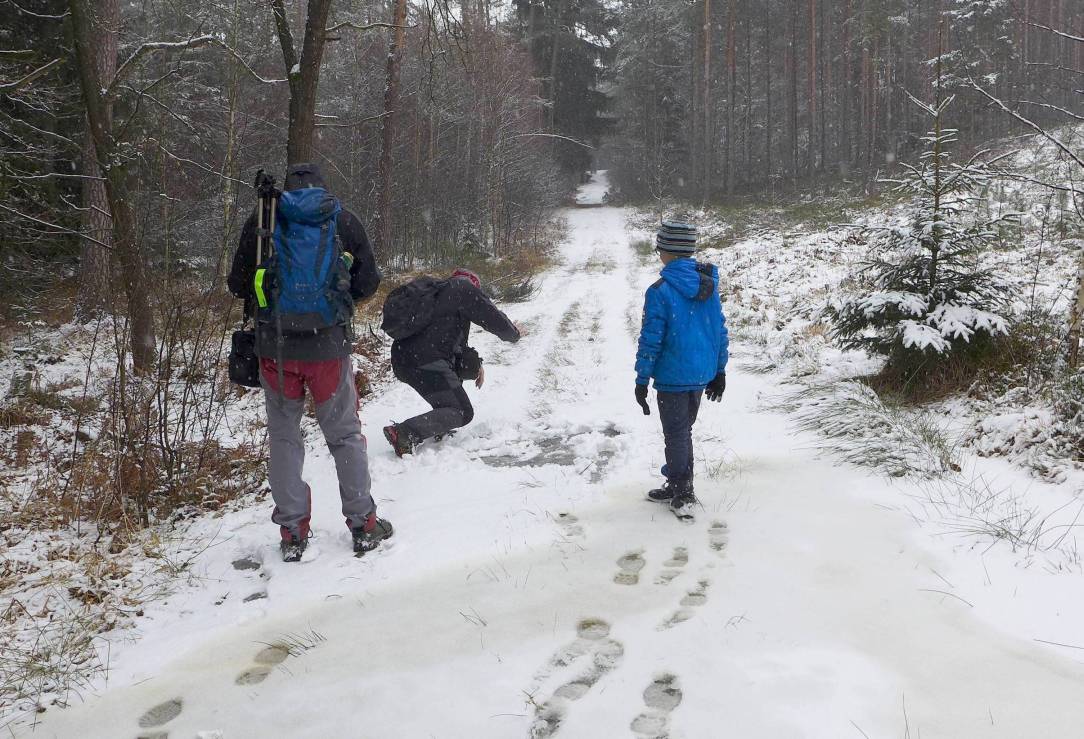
131 130
724 97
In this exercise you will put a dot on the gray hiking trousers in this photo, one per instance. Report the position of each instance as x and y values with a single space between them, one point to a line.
331 385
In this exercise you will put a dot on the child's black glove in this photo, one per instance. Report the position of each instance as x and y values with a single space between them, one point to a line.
641 398
716 387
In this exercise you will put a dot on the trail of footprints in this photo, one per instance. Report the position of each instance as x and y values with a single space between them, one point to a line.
605 654
158 716
663 694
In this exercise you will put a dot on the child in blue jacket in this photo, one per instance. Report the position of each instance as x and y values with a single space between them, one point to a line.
683 348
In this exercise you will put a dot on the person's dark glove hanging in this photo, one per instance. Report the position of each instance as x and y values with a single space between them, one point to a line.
641 398
716 387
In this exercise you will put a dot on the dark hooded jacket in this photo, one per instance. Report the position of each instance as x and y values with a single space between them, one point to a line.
683 341
458 304
329 343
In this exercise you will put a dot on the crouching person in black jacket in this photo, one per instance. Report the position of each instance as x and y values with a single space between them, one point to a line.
435 360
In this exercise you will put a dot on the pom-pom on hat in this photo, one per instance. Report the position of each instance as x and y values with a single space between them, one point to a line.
676 237
474 279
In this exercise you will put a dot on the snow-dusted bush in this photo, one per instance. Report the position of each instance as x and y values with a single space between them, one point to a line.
856 426
924 296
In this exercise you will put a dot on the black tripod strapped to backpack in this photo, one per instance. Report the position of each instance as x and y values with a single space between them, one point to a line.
244 365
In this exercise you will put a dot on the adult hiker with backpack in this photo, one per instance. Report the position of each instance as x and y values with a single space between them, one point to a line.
302 262
683 347
429 320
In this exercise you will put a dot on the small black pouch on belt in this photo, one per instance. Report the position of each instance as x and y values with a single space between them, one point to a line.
244 364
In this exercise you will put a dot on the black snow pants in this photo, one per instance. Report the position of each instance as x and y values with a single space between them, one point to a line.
439 386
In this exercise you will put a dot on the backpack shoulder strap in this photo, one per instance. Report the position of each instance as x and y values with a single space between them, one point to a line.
657 284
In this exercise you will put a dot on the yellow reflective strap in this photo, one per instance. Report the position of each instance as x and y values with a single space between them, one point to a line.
261 298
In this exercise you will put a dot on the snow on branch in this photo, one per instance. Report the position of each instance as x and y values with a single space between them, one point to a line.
1030 124
26 80
1055 31
59 229
350 25
154 47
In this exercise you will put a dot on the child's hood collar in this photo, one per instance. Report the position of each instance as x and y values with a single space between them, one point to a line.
693 280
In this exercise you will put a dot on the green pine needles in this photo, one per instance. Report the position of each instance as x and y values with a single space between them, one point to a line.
925 298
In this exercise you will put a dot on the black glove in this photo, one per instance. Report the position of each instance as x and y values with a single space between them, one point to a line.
716 387
641 398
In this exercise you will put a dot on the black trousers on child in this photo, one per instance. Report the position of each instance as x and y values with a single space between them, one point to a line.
677 411
440 386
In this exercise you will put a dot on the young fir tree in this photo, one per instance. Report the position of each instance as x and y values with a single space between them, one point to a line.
928 299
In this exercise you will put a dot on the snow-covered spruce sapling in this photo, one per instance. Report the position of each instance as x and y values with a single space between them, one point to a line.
926 300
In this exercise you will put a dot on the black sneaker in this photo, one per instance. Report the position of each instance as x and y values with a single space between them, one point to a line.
368 537
400 439
292 548
665 493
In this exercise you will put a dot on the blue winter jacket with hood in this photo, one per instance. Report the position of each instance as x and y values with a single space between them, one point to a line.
683 340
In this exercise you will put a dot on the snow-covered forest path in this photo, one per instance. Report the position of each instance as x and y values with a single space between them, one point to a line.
532 591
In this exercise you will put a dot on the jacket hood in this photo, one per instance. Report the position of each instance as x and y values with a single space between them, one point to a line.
311 206
693 280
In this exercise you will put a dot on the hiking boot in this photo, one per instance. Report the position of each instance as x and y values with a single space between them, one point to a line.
368 537
664 494
400 439
669 490
682 503
292 547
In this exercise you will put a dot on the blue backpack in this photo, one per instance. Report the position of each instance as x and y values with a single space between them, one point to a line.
305 283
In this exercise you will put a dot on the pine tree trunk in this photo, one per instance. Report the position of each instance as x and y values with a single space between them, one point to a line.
126 245
96 262
391 102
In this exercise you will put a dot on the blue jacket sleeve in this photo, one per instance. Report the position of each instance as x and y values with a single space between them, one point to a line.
651 335
724 345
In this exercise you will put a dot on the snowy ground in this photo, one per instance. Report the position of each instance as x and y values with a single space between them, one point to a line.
532 591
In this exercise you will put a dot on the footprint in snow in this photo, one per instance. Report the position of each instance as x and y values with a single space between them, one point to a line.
694 598
254 564
161 714
265 660
673 566
661 697
570 526
718 536
628 568
605 654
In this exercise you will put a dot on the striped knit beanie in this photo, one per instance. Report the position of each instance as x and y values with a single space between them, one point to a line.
676 237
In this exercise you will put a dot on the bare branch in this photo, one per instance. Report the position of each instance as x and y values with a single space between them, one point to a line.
32 14
17 53
286 39
353 124
361 26
1069 113
153 47
1059 67
17 85
1055 31
1030 124
59 229
553 136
